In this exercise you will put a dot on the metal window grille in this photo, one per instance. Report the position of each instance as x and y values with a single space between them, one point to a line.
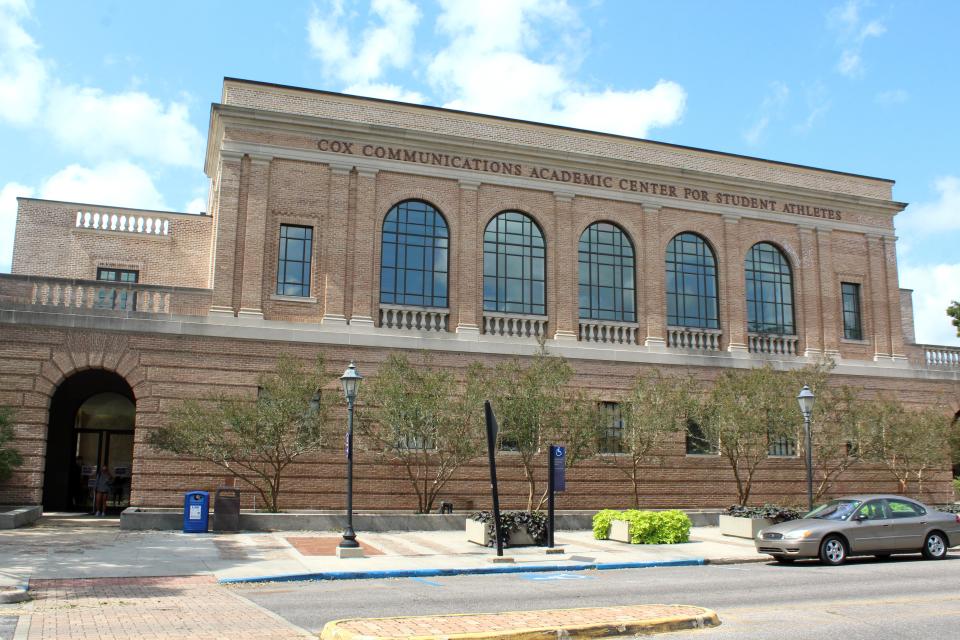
612 439
514 269
293 261
607 289
852 327
414 256
769 291
691 283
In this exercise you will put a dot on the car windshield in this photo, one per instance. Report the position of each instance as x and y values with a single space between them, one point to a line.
834 510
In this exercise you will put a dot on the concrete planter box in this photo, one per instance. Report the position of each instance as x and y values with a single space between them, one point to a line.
742 527
619 531
13 517
477 533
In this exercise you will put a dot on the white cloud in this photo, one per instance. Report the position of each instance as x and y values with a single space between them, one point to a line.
118 184
23 75
930 219
489 66
771 107
852 33
98 125
893 96
8 220
196 205
934 287
388 45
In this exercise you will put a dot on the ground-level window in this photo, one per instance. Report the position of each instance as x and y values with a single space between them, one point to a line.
113 297
611 441
852 326
293 262
698 444
782 447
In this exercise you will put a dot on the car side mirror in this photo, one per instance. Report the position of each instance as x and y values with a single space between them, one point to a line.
860 517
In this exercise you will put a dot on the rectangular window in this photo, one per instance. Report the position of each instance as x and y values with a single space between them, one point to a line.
852 327
612 439
782 447
114 297
293 261
697 442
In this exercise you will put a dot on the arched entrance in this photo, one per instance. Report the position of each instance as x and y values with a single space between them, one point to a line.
91 423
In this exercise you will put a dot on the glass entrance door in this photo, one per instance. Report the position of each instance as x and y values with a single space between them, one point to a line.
97 447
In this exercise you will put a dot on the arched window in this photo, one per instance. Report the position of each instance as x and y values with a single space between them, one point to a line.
413 256
514 257
607 290
769 291
691 283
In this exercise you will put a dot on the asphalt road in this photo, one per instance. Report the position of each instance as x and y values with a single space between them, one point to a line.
904 597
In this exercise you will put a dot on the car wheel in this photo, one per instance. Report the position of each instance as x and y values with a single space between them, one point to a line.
935 546
784 559
833 551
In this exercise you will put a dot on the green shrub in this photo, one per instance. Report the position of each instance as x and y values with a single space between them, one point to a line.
601 523
956 485
9 458
533 522
645 527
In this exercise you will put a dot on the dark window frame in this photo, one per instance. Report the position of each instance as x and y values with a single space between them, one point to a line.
117 298
782 447
605 246
414 234
768 274
611 442
701 265
696 443
120 273
503 249
852 310
292 288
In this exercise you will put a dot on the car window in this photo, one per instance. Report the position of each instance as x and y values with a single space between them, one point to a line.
904 509
872 510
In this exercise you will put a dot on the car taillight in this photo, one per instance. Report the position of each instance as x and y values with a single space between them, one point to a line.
958 518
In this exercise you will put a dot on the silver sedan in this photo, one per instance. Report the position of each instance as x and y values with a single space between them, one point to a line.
877 525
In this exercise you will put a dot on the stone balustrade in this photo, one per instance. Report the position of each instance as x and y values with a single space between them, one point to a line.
514 326
941 357
608 332
694 339
773 344
114 298
106 221
414 318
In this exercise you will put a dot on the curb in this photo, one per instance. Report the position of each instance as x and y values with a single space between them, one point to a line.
696 618
433 573
20 593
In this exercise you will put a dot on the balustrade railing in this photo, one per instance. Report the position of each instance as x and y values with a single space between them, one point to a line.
694 339
607 332
106 221
77 296
514 326
773 344
414 318
941 357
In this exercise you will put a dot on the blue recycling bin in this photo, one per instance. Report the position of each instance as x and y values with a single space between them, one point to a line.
196 511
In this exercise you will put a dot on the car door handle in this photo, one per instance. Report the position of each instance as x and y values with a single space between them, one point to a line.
924 522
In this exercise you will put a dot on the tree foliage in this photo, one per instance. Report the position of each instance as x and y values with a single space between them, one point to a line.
533 406
837 434
653 412
425 420
9 458
255 440
954 312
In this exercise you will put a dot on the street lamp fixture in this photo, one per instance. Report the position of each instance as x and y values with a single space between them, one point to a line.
351 385
805 400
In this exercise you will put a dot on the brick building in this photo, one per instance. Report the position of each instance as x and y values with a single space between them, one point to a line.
353 227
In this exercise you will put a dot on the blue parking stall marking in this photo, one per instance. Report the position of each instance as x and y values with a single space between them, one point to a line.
429 582
540 577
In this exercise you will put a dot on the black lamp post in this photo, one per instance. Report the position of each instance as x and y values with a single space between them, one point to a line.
351 384
805 399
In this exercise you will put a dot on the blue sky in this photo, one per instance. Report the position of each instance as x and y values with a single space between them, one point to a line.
108 102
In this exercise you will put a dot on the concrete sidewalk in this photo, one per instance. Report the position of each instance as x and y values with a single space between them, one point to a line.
83 547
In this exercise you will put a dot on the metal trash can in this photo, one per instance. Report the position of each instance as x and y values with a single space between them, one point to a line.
226 509
196 511
446 507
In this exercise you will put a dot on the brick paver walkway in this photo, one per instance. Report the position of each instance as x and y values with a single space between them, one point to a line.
552 623
179 608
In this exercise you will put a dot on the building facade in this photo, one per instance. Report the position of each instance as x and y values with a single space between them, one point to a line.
355 227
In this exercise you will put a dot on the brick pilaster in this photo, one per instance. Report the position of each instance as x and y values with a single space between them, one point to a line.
362 248
654 284
734 303
226 233
257 196
879 303
566 322
334 236
813 302
895 320
470 262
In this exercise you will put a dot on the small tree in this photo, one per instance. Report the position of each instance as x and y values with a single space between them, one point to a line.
9 458
655 409
532 405
254 440
909 443
421 419
744 413
837 433
954 312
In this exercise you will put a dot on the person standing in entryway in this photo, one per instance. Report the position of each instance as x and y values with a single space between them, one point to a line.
103 483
